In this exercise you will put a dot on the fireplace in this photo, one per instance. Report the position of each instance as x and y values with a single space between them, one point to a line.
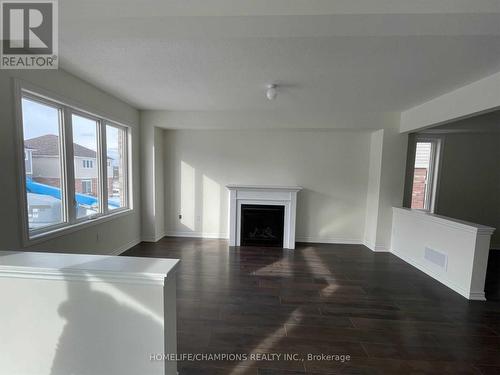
278 197
262 225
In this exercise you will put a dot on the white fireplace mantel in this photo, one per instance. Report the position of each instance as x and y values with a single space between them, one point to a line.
267 195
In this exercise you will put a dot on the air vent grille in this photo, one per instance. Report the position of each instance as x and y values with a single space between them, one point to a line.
436 257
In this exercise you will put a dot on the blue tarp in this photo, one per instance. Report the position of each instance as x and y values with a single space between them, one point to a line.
87 200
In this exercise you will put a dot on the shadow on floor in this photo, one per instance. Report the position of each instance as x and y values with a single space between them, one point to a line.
342 299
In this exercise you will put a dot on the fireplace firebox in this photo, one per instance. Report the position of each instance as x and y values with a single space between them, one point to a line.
262 225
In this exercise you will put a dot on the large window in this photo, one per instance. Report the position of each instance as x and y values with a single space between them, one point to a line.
85 145
45 193
424 177
75 165
116 154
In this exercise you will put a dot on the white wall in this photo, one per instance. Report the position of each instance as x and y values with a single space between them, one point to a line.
372 198
46 167
81 172
152 191
475 98
461 249
332 167
272 118
159 183
101 238
49 166
392 176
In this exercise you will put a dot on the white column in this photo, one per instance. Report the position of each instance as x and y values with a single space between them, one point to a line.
152 183
233 208
385 187
291 227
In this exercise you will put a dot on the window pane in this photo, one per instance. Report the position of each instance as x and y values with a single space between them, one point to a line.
420 195
42 154
86 166
115 151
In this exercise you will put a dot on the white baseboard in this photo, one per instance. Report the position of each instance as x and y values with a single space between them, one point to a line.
329 240
222 236
379 248
153 239
476 296
125 247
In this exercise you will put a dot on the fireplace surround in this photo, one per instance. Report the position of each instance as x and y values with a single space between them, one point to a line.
261 195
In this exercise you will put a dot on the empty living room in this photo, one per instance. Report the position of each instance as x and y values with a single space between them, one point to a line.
249 187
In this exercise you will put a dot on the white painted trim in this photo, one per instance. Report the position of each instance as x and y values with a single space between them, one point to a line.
264 187
477 296
305 239
76 275
447 221
252 194
156 238
379 248
435 165
125 247
85 267
222 236
330 240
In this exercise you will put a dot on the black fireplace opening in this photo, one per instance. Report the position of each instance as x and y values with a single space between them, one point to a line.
262 225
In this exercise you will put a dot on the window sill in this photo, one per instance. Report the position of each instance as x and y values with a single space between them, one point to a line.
51 234
422 210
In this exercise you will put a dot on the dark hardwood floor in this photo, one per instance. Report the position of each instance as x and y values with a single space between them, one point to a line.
492 287
386 315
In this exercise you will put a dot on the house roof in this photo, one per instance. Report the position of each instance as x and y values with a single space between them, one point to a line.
48 145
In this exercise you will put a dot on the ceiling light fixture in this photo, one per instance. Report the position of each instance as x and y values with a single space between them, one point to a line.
272 91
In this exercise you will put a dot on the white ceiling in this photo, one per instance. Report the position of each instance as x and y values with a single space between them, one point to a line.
201 55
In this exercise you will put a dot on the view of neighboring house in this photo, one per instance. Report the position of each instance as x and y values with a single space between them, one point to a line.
43 167
43 164
421 174
28 161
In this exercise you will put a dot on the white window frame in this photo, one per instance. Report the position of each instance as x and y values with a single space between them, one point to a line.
28 158
69 221
86 181
88 164
431 193
126 161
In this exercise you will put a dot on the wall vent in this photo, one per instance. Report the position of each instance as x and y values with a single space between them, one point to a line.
436 257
